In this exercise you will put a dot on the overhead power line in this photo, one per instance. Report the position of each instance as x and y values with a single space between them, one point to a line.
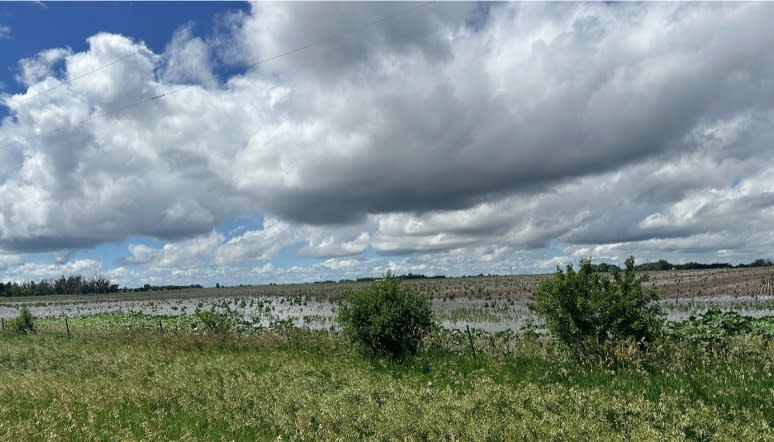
71 80
333 35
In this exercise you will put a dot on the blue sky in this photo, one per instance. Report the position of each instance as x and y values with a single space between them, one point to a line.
438 138
69 24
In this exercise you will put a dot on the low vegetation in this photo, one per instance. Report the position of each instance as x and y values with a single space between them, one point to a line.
716 326
109 382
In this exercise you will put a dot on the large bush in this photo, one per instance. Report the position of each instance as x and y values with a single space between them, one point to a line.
387 318
587 311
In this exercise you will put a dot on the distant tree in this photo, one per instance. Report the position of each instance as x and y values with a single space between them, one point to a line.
604 267
758 263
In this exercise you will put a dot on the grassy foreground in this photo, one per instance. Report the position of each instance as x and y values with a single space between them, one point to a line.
117 384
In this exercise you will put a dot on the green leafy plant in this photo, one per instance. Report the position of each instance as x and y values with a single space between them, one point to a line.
25 322
530 329
588 311
716 326
387 318
222 320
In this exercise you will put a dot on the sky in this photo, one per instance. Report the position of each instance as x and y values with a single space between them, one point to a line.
237 143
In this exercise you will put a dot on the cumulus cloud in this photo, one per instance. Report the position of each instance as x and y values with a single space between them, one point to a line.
332 246
37 271
446 134
186 253
514 109
358 37
257 244
5 32
9 260
188 59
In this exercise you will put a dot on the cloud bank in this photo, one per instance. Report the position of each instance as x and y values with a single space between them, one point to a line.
453 138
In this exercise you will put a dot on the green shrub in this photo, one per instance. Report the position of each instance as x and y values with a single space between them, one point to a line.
387 319
588 311
25 322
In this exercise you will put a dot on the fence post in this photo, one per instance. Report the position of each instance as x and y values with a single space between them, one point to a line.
67 326
470 339
161 328
2 321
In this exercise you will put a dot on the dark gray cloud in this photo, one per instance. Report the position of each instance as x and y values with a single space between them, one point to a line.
493 119
349 39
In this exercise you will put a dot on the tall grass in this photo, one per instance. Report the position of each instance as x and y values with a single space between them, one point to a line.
132 384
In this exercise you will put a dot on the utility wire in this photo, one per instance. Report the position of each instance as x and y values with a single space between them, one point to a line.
161 96
78 77
337 34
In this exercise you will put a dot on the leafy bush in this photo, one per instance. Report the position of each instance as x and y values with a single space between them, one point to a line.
588 311
387 319
25 322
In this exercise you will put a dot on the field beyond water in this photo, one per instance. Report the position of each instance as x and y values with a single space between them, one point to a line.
112 382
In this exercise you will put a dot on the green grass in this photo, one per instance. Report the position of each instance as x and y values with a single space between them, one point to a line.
112 382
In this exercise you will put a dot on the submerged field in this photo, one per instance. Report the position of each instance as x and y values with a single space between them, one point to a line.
493 303
113 382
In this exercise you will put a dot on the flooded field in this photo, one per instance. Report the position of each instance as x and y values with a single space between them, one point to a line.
492 303
457 313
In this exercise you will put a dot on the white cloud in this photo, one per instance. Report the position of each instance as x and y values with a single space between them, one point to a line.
5 32
37 271
181 254
257 244
10 260
543 129
331 245
188 59
35 71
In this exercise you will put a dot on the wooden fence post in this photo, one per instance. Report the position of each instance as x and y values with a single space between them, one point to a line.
67 326
470 339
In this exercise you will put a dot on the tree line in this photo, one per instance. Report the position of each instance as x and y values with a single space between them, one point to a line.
64 285
663 264
373 278
78 285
